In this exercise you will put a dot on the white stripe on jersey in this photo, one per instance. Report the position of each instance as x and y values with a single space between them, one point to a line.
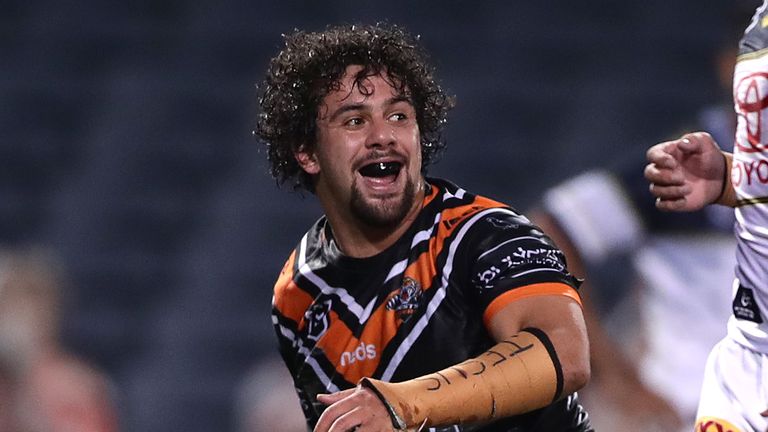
349 301
459 194
523 273
308 359
438 298
397 269
423 235
508 241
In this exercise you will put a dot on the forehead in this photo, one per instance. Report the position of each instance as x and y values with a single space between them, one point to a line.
354 89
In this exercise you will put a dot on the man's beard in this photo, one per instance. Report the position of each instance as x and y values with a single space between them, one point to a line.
386 214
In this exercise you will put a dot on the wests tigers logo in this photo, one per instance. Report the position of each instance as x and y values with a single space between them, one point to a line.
406 300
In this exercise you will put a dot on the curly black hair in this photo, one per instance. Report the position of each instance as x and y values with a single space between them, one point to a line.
312 64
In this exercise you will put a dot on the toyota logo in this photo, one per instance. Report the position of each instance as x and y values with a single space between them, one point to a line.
751 98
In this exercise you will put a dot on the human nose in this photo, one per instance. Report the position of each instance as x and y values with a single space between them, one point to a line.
380 134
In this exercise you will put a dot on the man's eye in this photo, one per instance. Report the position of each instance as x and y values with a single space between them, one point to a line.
355 121
398 116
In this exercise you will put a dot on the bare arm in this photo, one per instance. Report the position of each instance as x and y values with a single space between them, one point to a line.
561 319
518 375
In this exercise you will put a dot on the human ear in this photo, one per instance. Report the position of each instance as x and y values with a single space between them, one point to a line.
307 160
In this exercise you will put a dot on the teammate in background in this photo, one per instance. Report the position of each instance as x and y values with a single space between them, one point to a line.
692 172
637 265
50 389
412 302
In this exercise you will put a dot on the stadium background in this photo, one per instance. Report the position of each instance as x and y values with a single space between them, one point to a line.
126 146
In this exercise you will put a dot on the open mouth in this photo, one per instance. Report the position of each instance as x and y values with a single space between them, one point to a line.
381 169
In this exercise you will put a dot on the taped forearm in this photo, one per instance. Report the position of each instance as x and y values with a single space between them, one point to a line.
515 376
728 193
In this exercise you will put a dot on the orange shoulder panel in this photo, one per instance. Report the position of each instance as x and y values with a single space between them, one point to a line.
539 289
290 300
487 202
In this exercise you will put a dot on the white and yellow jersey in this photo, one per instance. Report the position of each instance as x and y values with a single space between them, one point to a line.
749 323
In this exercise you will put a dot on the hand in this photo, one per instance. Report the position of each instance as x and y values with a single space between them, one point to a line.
357 409
686 174
765 414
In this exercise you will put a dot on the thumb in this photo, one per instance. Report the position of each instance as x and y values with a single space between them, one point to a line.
330 399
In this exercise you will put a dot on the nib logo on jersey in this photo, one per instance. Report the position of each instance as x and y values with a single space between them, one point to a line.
406 300
745 306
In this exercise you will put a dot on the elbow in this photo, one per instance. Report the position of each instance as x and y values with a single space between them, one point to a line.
576 375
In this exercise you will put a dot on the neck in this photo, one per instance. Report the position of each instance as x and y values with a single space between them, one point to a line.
357 239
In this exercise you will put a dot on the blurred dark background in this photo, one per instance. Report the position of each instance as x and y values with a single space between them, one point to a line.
125 144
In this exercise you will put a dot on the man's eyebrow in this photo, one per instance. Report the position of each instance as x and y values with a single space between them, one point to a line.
361 106
345 108
399 98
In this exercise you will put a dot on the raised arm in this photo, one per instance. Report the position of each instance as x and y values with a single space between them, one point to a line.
689 173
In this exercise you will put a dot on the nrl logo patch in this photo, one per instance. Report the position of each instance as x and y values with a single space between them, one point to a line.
745 306
406 300
317 319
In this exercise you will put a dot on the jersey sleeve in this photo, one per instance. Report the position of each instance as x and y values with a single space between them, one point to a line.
513 259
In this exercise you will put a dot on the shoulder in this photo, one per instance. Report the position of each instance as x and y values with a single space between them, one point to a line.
480 224
309 248
755 37
458 206
507 232
506 252
461 207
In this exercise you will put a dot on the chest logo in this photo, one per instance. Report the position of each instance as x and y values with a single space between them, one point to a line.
317 319
745 306
751 100
406 300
